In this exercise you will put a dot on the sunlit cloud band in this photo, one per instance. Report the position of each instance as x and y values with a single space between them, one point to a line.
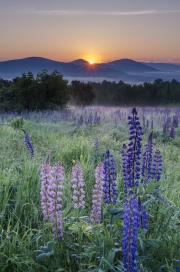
111 13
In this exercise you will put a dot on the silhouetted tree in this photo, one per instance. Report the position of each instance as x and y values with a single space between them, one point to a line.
47 91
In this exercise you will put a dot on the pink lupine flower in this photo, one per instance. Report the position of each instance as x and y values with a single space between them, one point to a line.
51 195
55 199
78 186
97 195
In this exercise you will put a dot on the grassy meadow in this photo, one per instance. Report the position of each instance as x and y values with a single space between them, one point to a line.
26 239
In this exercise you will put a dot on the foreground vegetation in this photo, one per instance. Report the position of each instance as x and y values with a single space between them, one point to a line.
27 241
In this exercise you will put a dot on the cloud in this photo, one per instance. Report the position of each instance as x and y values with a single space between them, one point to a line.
103 13
176 61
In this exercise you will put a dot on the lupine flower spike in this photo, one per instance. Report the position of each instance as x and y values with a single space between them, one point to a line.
97 195
109 173
78 186
130 233
51 195
28 143
132 164
134 213
55 200
157 165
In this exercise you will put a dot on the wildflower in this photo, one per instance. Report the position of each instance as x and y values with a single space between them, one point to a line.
109 177
132 164
97 195
51 195
78 186
55 199
28 143
130 232
135 214
157 165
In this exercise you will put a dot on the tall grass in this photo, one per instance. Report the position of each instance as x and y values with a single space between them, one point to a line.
26 240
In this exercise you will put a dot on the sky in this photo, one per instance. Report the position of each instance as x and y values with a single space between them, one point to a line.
94 30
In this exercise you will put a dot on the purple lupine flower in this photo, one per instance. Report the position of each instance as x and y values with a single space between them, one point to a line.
143 215
130 233
55 188
45 179
97 195
78 186
96 142
28 143
147 161
109 177
133 151
157 165
172 132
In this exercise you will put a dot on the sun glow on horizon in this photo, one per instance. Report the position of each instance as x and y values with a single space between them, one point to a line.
91 61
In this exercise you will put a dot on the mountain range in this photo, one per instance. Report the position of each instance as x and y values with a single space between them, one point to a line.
127 70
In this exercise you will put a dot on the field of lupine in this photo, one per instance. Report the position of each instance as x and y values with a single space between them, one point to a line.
94 189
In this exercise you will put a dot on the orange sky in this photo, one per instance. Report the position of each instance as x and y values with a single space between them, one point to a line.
100 30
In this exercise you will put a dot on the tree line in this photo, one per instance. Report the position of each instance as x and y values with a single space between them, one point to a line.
46 91
119 93
51 91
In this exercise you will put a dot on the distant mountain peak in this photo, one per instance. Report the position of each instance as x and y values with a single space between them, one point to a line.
79 62
129 65
127 70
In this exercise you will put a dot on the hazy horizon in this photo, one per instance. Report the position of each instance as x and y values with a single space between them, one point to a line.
146 62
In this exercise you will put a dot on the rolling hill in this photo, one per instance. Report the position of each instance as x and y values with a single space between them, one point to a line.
126 70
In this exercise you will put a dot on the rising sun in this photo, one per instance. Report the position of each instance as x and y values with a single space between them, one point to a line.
91 61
